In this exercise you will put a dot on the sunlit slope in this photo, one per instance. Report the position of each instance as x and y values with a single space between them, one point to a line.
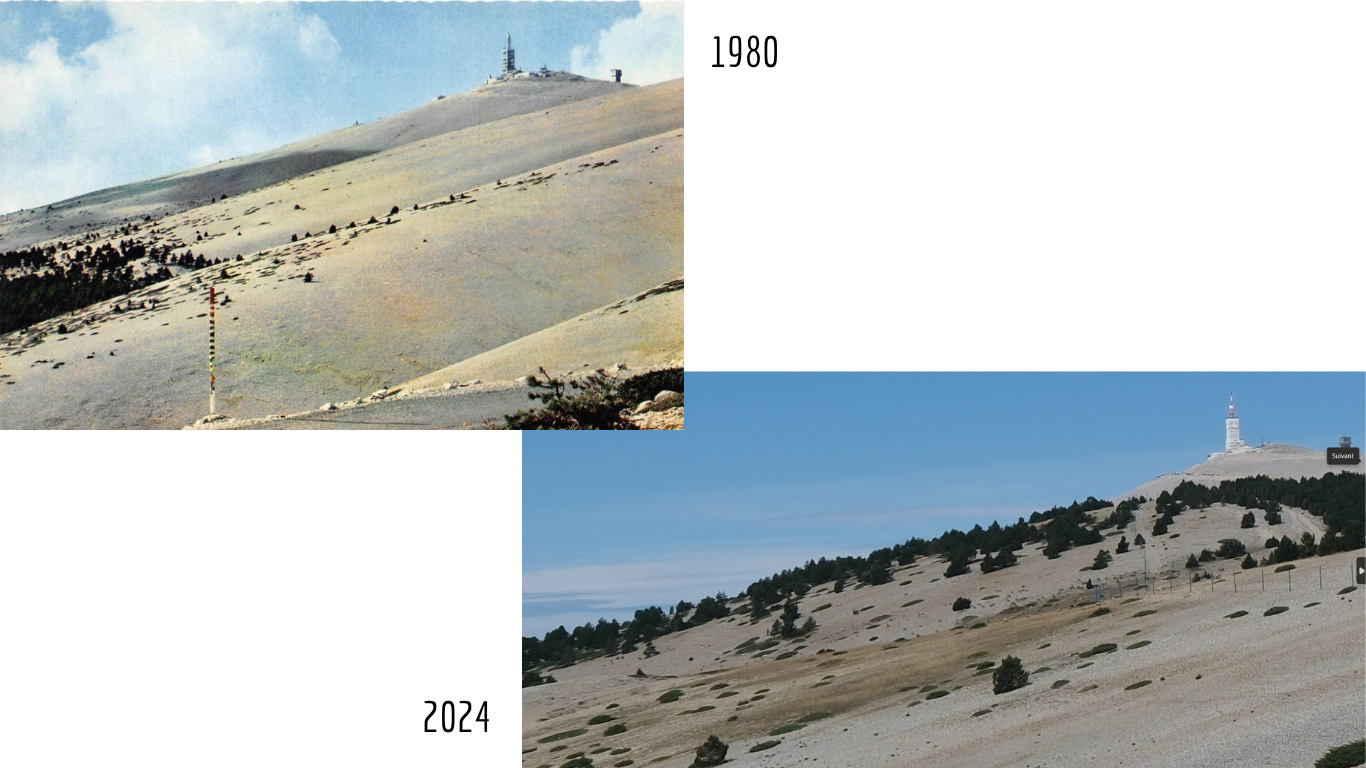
158 196
599 219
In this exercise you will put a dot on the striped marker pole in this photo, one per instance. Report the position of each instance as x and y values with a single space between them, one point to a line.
212 331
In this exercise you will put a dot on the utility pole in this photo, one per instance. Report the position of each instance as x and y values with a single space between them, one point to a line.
212 330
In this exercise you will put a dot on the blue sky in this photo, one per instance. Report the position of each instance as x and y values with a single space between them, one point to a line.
777 468
100 94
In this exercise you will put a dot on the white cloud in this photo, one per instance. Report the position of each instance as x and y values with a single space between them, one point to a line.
171 81
647 48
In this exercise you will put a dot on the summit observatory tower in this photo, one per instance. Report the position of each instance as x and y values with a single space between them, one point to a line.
1233 443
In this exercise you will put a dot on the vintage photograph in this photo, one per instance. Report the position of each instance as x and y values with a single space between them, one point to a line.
354 215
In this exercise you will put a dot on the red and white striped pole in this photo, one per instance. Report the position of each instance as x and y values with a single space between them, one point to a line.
212 330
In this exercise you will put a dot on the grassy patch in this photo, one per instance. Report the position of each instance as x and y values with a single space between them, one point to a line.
1138 644
620 751
719 686
1131 600
1286 567
991 597
1344 756
1133 632
562 735
978 625
904 583
600 719
786 728
704 708
1345 590
1084 666
1141 614
1236 615
624 763
820 607
913 602
1310 605
1138 684
1102 648
613 730
613 705
727 694
761 746
1045 645
936 695
670 697
1060 683
814 716
981 712
1275 609
785 655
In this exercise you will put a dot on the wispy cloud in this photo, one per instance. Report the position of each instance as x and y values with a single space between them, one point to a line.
148 95
647 48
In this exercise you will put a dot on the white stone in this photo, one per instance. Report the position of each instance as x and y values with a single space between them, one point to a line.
668 399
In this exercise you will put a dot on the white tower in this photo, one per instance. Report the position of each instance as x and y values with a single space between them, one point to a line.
1232 442
509 60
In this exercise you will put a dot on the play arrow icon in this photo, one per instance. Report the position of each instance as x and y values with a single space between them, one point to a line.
1361 570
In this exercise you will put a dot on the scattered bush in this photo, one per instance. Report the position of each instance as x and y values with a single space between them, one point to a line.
1286 567
562 735
962 604
981 712
613 730
761 746
1275 609
936 695
1098 612
1248 562
1344 756
712 752
1249 520
669 697
1345 590
1060 683
1273 517
1009 676
1191 562
1236 615
1138 644
786 728
1102 648
532 677
600 719
1148 612
1138 684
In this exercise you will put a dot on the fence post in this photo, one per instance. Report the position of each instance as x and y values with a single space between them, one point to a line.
1235 582
1263 570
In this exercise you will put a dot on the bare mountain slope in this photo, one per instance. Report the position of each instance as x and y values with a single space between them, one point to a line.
1273 460
500 248
156 197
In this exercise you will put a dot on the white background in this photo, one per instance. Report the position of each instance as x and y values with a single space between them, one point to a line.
926 185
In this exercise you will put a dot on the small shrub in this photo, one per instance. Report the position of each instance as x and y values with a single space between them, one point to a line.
1102 648
1141 614
670 697
1345 590
1138 684
1009 676
1236 615
712 752
761 746
704 708
728 694
1060 683
981 712
962 604
1310 605
913 602
600 719
1286 567
936 695
1099 612
813 717
1344 756
613 730
786 728
578 762
1275 609
1138 644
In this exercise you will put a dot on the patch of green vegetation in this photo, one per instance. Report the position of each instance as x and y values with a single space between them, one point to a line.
1084 666
883 617
669 697
1099 612
913 602
1138 644
1141 614
1344 756
727 694
981 712
600 719
786 728
1286 567
1275 609
763 690
936 695
821 683
1345 590
624 763
756 698
621 751
820 607
1045 645
1133 631
613 705
812 717
1236 615
928 688
978 625
532 749
719 686
1060 683
562 735
1138 684
761 746
746 644
991 597
1310 605
560 748
1131 600
703 708
1102 648
613 730
785 655
1041 670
